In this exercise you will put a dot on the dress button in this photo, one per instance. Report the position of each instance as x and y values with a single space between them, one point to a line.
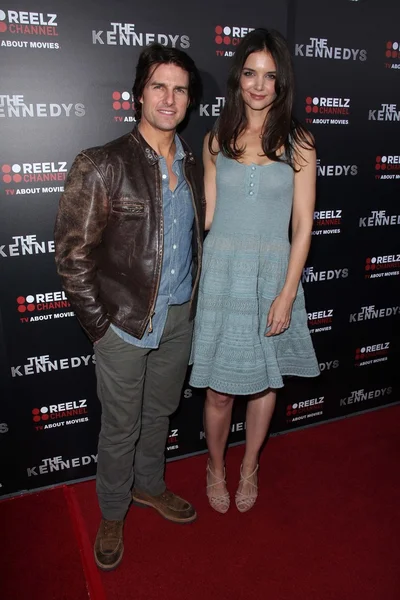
164 176
172 271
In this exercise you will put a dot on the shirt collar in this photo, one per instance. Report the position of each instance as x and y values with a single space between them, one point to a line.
179 151
151 155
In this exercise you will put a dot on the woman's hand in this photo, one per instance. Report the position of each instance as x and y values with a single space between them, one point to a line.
279 315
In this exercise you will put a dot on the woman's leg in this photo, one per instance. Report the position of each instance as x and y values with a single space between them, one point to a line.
258 417
217 420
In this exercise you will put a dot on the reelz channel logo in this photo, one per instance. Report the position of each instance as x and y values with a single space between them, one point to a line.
123 102
392 55
125 34
228 35
307 409
43 364
319 48
60 415
320 320
372 354
327 222
324 107
172 441
46 304
358 396
58 463
22 23
26 245
212 109
15 107
387 167
382 266
32 173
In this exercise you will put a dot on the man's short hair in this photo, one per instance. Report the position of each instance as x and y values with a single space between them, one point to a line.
156 54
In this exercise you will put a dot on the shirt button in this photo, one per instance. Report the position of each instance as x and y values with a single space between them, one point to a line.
172 271
164 176
252 184
252 175
253 168
174 246
174 220
251 193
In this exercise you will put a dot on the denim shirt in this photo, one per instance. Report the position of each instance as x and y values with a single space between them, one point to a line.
176 273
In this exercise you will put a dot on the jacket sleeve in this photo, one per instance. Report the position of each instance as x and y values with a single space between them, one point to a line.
81 219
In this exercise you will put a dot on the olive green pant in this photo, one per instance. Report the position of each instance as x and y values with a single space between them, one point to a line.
139 389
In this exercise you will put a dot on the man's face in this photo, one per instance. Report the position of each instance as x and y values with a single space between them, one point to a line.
165 97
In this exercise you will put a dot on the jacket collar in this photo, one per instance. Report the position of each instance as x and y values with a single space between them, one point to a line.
151 155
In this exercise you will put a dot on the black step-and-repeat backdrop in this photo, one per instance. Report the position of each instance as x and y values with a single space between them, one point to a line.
67 71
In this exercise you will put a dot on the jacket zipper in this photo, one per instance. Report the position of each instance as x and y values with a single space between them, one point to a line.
198 231
152 313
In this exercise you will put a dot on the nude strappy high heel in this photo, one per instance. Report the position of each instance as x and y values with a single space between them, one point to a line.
220 502
245 502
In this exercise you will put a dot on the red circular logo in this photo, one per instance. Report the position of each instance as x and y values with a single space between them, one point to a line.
25 304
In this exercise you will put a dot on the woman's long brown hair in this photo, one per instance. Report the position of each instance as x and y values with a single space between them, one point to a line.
280 128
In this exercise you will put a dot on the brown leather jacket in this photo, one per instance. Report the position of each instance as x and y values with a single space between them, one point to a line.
109 234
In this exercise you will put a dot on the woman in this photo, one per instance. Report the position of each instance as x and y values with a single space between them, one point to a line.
251 326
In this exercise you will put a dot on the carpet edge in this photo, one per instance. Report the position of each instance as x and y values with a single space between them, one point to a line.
92 576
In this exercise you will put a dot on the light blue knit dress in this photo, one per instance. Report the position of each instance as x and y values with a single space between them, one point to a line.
245 261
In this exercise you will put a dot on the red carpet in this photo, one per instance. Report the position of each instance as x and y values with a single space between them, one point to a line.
325 527
40 558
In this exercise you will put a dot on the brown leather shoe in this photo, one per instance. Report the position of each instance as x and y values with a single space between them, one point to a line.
169 505
109 545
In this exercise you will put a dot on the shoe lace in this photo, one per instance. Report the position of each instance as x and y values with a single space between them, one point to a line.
166 494
110 528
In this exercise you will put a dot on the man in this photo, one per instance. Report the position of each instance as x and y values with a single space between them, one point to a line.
128 249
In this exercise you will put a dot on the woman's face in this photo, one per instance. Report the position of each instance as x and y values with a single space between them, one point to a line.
257 81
